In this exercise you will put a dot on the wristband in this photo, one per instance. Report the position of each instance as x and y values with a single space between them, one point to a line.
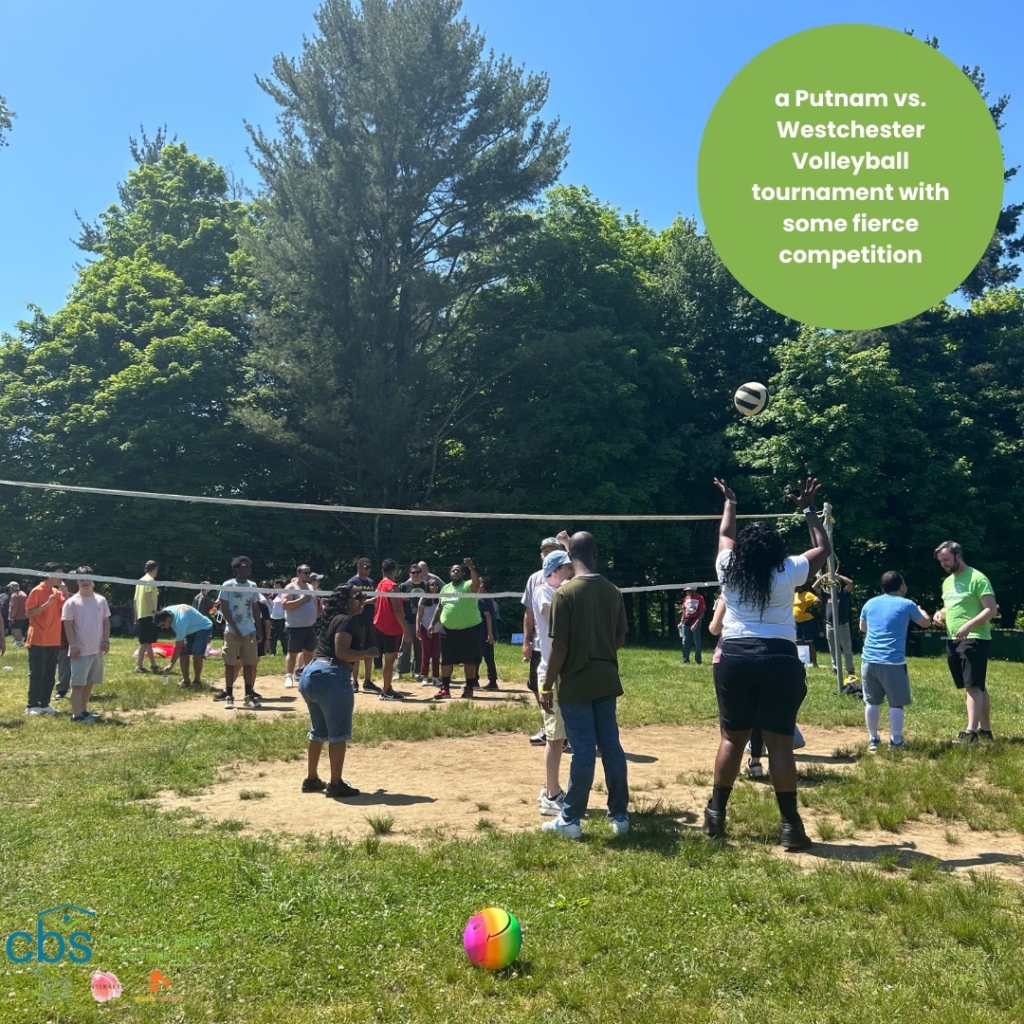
730 501
546 689
809 510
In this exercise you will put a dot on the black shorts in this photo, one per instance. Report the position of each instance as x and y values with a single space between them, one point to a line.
759 680
460 646
805 631
146 631
388 643
301 638
968 662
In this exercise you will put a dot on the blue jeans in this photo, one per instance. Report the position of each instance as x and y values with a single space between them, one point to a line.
691 642
327 691
588 725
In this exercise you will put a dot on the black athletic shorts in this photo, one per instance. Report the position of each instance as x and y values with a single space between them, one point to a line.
460 646
759 680
388 643
146 632
968 662
534 665
301 638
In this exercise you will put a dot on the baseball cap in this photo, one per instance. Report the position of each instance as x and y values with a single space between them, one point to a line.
315 576
555 560
550 542
13 583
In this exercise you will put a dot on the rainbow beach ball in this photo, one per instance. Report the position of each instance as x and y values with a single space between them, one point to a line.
492 938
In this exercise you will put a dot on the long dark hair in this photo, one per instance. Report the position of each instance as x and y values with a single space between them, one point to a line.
335 605
759 552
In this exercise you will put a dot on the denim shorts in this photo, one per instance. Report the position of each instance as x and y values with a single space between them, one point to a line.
195 643
327 691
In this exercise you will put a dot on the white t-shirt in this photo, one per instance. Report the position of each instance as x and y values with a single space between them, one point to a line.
542 596
276 611
777 619
243 606
87 613
536 580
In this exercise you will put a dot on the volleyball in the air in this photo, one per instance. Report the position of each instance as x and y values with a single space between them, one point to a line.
750 399
492 938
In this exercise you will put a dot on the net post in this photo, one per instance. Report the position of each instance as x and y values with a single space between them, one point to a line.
832 583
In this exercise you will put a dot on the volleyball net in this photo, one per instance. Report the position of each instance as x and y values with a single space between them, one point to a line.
193 538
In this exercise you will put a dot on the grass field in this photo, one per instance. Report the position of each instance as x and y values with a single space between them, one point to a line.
660 925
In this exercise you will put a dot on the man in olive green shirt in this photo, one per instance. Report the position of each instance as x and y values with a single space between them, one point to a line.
969 604
587 628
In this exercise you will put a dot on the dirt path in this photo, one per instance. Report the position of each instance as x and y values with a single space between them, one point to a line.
444 788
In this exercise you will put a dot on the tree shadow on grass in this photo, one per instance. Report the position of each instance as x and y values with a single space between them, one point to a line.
14 723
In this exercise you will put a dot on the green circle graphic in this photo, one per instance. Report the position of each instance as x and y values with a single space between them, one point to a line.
850 176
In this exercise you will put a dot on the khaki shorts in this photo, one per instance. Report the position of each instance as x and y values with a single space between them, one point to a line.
240 650
554 727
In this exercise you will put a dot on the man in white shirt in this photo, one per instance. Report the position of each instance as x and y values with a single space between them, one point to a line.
300 615
86 620
238 606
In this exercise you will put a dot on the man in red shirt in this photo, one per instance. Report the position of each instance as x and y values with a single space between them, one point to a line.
43 609
390 623
691 621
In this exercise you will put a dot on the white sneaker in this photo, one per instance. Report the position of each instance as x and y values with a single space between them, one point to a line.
427 681
619 824
551 806
229 702
251 701
289 680
34 711
48 711
569 829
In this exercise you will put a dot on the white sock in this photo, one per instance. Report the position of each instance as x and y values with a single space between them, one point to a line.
872 716
896 724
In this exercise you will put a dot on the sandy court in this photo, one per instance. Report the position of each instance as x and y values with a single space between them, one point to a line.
458 787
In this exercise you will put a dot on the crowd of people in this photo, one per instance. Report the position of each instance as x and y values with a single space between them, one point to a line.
574 623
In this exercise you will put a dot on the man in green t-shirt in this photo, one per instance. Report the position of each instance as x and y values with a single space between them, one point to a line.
969 604
587 627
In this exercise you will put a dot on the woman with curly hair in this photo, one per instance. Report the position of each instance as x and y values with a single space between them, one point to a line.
760 676
326 687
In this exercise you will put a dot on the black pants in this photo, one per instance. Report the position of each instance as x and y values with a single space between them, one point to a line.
277 636
42 673
63 672
487 654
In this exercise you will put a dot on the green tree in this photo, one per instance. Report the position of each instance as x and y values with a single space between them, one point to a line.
6 120
130 384
404 159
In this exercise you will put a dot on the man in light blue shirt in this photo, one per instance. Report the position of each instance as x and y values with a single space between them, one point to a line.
885 619
192 632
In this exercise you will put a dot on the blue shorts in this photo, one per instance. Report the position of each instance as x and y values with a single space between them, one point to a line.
196 643
805 631
327 691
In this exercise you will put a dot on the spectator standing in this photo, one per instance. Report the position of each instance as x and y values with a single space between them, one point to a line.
409 656
460 628
883 663
844 639
241 644
86 620
300 610
16 610
691 622
363 581
43 608
5 619
279 635
147 597
968 607
392 627
531 640
489 632
804 600
428 629
588 626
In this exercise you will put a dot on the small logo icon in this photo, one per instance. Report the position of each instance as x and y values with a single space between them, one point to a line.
158 982
19 945
105 986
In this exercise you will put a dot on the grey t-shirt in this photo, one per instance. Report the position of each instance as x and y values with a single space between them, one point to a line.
304 614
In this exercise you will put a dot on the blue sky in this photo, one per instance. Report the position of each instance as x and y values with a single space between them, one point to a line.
635 89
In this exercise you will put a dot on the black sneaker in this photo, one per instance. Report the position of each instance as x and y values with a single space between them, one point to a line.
986 734
258 696
538 739
63 696
313 785
794 837
714 823
339 790
391 694
966 736
491 686
566 747
355 686
369 687
221 695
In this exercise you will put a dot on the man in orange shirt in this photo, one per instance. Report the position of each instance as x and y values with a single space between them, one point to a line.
43 609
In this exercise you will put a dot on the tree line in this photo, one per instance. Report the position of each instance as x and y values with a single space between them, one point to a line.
411 313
